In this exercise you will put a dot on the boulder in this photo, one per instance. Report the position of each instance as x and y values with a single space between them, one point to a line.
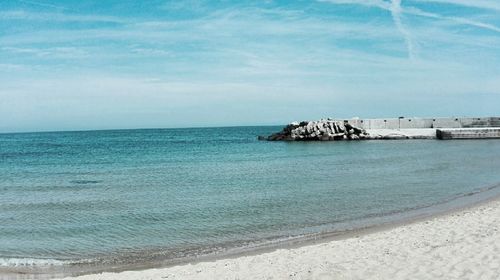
322 130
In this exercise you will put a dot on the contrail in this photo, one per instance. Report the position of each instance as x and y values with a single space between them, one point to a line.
479 4
396 12
458 20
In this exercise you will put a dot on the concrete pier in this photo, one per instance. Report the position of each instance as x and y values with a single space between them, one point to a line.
430 128
468 133
411 123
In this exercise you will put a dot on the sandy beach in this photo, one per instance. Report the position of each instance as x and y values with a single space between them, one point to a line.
461 245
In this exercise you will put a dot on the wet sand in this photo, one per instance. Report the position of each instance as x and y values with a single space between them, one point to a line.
463 244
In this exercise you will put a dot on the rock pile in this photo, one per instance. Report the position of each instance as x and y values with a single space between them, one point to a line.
322 130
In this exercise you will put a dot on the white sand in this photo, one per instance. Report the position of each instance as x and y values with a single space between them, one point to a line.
461 245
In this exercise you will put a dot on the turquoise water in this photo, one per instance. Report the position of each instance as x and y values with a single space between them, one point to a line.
129 195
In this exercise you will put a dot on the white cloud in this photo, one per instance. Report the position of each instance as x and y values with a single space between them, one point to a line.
482 4
7 67
456 20
397 11
369 3
41 4
52 53
289 61
56 17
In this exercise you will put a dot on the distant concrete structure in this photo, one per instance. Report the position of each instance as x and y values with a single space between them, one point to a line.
468 133
389 128
410 123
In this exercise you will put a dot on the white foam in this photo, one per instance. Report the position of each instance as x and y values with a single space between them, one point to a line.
29 262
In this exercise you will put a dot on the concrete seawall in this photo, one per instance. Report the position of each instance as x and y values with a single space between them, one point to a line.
431 128
412 123
468 133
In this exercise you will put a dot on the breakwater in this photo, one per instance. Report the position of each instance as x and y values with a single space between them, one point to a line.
468 133
423 123
389 128
324 130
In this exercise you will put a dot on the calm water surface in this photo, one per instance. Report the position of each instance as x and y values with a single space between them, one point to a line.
117 196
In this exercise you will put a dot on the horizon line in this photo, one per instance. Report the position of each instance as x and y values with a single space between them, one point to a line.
214 126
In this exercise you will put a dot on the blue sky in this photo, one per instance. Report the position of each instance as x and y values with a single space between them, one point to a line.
70 65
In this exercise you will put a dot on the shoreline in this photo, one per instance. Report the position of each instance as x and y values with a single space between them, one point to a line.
448 208
459 244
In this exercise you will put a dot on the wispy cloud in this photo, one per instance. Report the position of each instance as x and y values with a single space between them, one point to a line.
7 67
274 62
456 20
56 17
368 3
481 4
55 52
396 12
42 4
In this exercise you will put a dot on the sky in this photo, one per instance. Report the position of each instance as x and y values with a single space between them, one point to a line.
78 65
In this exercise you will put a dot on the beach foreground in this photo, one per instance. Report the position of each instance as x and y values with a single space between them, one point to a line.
460 245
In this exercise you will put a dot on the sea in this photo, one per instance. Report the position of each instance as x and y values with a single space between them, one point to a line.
94 200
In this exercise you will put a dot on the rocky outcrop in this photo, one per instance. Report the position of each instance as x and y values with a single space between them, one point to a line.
322 130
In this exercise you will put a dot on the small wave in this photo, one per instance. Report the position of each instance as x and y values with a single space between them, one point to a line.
30 262
85 182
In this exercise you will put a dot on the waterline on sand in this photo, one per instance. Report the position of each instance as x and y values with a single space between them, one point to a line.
45 269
